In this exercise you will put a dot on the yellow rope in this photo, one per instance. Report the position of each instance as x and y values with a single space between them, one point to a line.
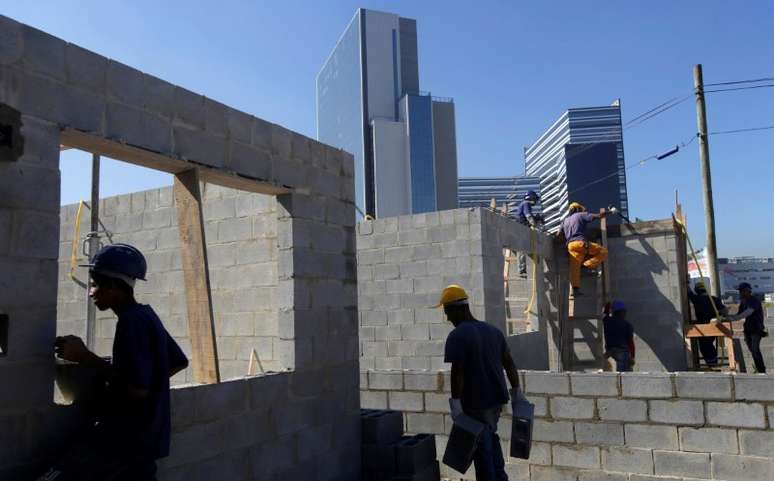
533 244
76 242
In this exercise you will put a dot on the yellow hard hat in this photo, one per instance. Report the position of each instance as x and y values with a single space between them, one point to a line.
700 285
577 205
452 293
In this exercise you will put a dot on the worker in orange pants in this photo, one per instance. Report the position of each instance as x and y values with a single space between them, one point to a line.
581 251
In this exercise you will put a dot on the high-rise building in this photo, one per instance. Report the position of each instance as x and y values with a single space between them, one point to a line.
479 191
369 104
580 158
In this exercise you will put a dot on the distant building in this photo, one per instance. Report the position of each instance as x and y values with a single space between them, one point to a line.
758 271
580 158
369 104
479 191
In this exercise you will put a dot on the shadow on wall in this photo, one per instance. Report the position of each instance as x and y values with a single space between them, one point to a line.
639 279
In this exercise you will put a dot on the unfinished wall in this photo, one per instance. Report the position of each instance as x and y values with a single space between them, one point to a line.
613 427
67 95
241 230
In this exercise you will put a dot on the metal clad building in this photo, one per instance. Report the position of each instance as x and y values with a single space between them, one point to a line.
590 140
479 191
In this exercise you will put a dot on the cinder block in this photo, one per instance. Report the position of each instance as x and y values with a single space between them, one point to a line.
550 473
627 460
741 468
381 427
425 423
622 410
741 415
436 402
675 463
594 384
701 385
755 443
576 456
553 431
710 440
645 436
385 380
646 385
546 382
406 401
602 476
599 434
379 457
415 453
421 381
754 387
677 412
572 408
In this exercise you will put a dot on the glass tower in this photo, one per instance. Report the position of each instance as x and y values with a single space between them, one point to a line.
369 104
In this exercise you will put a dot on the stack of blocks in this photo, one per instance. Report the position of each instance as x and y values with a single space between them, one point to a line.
388 455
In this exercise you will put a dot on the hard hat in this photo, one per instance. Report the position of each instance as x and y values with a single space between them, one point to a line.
700 286
119 261
451 294
618 306
577 206
744 285
531 195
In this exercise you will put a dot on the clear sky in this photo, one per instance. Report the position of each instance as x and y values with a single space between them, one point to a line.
512 68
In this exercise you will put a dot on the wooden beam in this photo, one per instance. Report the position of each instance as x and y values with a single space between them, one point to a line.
193 250
725 329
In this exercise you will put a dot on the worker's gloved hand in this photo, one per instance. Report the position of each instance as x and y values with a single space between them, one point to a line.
70 348
613 210
456 408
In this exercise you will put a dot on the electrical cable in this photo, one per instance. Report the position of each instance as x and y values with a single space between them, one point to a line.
731 89
736 131
737 82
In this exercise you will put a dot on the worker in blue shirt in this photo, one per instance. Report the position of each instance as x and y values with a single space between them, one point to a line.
751 310
132 427
619 337
478 353
528 218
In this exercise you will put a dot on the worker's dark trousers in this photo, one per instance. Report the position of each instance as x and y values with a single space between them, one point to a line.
488 459
753 341
708 350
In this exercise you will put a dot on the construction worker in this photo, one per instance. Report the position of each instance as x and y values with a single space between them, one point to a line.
705 312
581 251
478 353
619 337
751 310
132 427
527 217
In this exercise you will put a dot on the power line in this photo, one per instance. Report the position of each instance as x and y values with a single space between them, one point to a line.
752 129
730 89
651 110
658 111
737 82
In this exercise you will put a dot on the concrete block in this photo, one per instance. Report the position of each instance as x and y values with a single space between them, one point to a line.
401 316
425 423
553 431
550 473
415 453
646 385
43 53
385 380
373 399
381 427
703 385
622 410
596 384
546 382
741 415
436 403
85 68
576 456
194 145
379 457
386 271
755 443
420 381
627 460
249 161
371 256
754 387
675 463
741 468
599 434
572 408
406 401
710 440
677 412
417 332
602 476
645 436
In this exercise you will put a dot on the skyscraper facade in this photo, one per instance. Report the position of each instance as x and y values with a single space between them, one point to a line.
580 158
369 104
479 191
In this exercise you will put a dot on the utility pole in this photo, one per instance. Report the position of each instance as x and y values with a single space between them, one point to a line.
706 180
93 245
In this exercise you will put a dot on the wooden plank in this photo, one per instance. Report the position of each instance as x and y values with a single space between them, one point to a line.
193 250
725 329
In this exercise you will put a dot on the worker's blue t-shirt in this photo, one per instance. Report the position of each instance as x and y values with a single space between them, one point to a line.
525 212
617 333
574 226
754 322
143 353
479 347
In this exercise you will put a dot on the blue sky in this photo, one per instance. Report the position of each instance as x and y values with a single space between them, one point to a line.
512 68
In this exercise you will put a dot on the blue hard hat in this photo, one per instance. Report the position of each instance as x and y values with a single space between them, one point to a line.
744 285
121 261
531 195
618 306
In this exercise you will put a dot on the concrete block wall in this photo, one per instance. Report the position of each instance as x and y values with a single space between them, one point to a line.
621 427
241 234
65 94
